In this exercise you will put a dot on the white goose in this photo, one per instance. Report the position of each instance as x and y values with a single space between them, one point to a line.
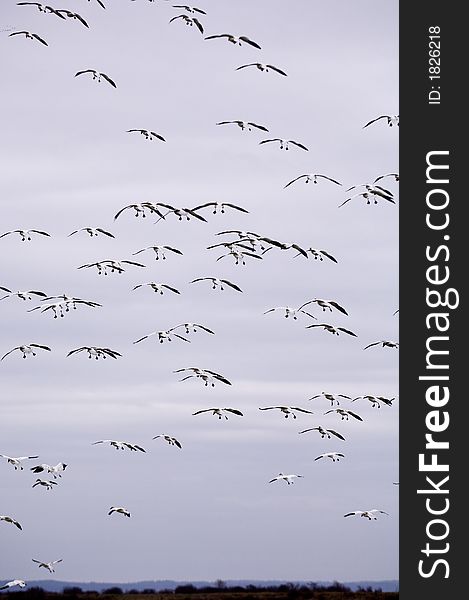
172 441
220 412
119 509
22 295
25 234
218 283
141 209
244 125
16 582
333 398
44 483
332 329
291 312
344 414
189 9
8 519
285 144
119 445
53 470
48 565
383 344
111 266
371 515
27 350
42 8
147 134
158 288
375 400
163 336
390 119
189 21
311 177
94 351
263 67
325 433
16 461
159 251
220 206
318 254
334 456
234 39
97 76
30 36
288 478
93 232
288 410
206 375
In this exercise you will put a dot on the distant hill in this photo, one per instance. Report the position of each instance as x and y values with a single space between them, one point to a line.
390 585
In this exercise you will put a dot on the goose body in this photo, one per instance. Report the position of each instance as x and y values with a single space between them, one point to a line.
27 350
97 76
218 283
172 441
220 412
325 433
119 445
10 520
119 509
30 36
234 39
334 456
263 67
96 352
311 177
288 478
16 461
48 565
288 410
371 515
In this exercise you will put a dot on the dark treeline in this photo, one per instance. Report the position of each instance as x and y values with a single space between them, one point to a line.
287 591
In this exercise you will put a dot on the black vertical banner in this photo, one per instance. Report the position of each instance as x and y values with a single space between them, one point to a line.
433 232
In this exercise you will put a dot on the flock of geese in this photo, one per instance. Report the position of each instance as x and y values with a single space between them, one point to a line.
241 246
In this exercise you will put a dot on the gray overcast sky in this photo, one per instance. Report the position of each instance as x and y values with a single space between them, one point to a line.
206 511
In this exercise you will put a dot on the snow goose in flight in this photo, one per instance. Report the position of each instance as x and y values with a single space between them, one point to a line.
283 246
53 470
72 15
375 400
288 478
44 483
26 233
17 460
23 295
189 21
119 509
206 375
219 412
325 433
93 232
371 515
181 213
172 441
239 255
147 134
42 8
288 410
97 75
244 125
333 398
220 206
96 352
383 344
235 39
158 288
63 306
344 414
189 9
334 456
140 208
377 190
113 266
48 565
372 192
193 328
391 120
262 67
328 305
317 254
30 36
119 445
15 582
395 176
73 301
159 251
218 283
332 329
311 177
284 144
27 350
163 336
291 312
8 519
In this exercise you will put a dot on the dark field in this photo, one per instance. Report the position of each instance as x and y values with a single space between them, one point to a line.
188 592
